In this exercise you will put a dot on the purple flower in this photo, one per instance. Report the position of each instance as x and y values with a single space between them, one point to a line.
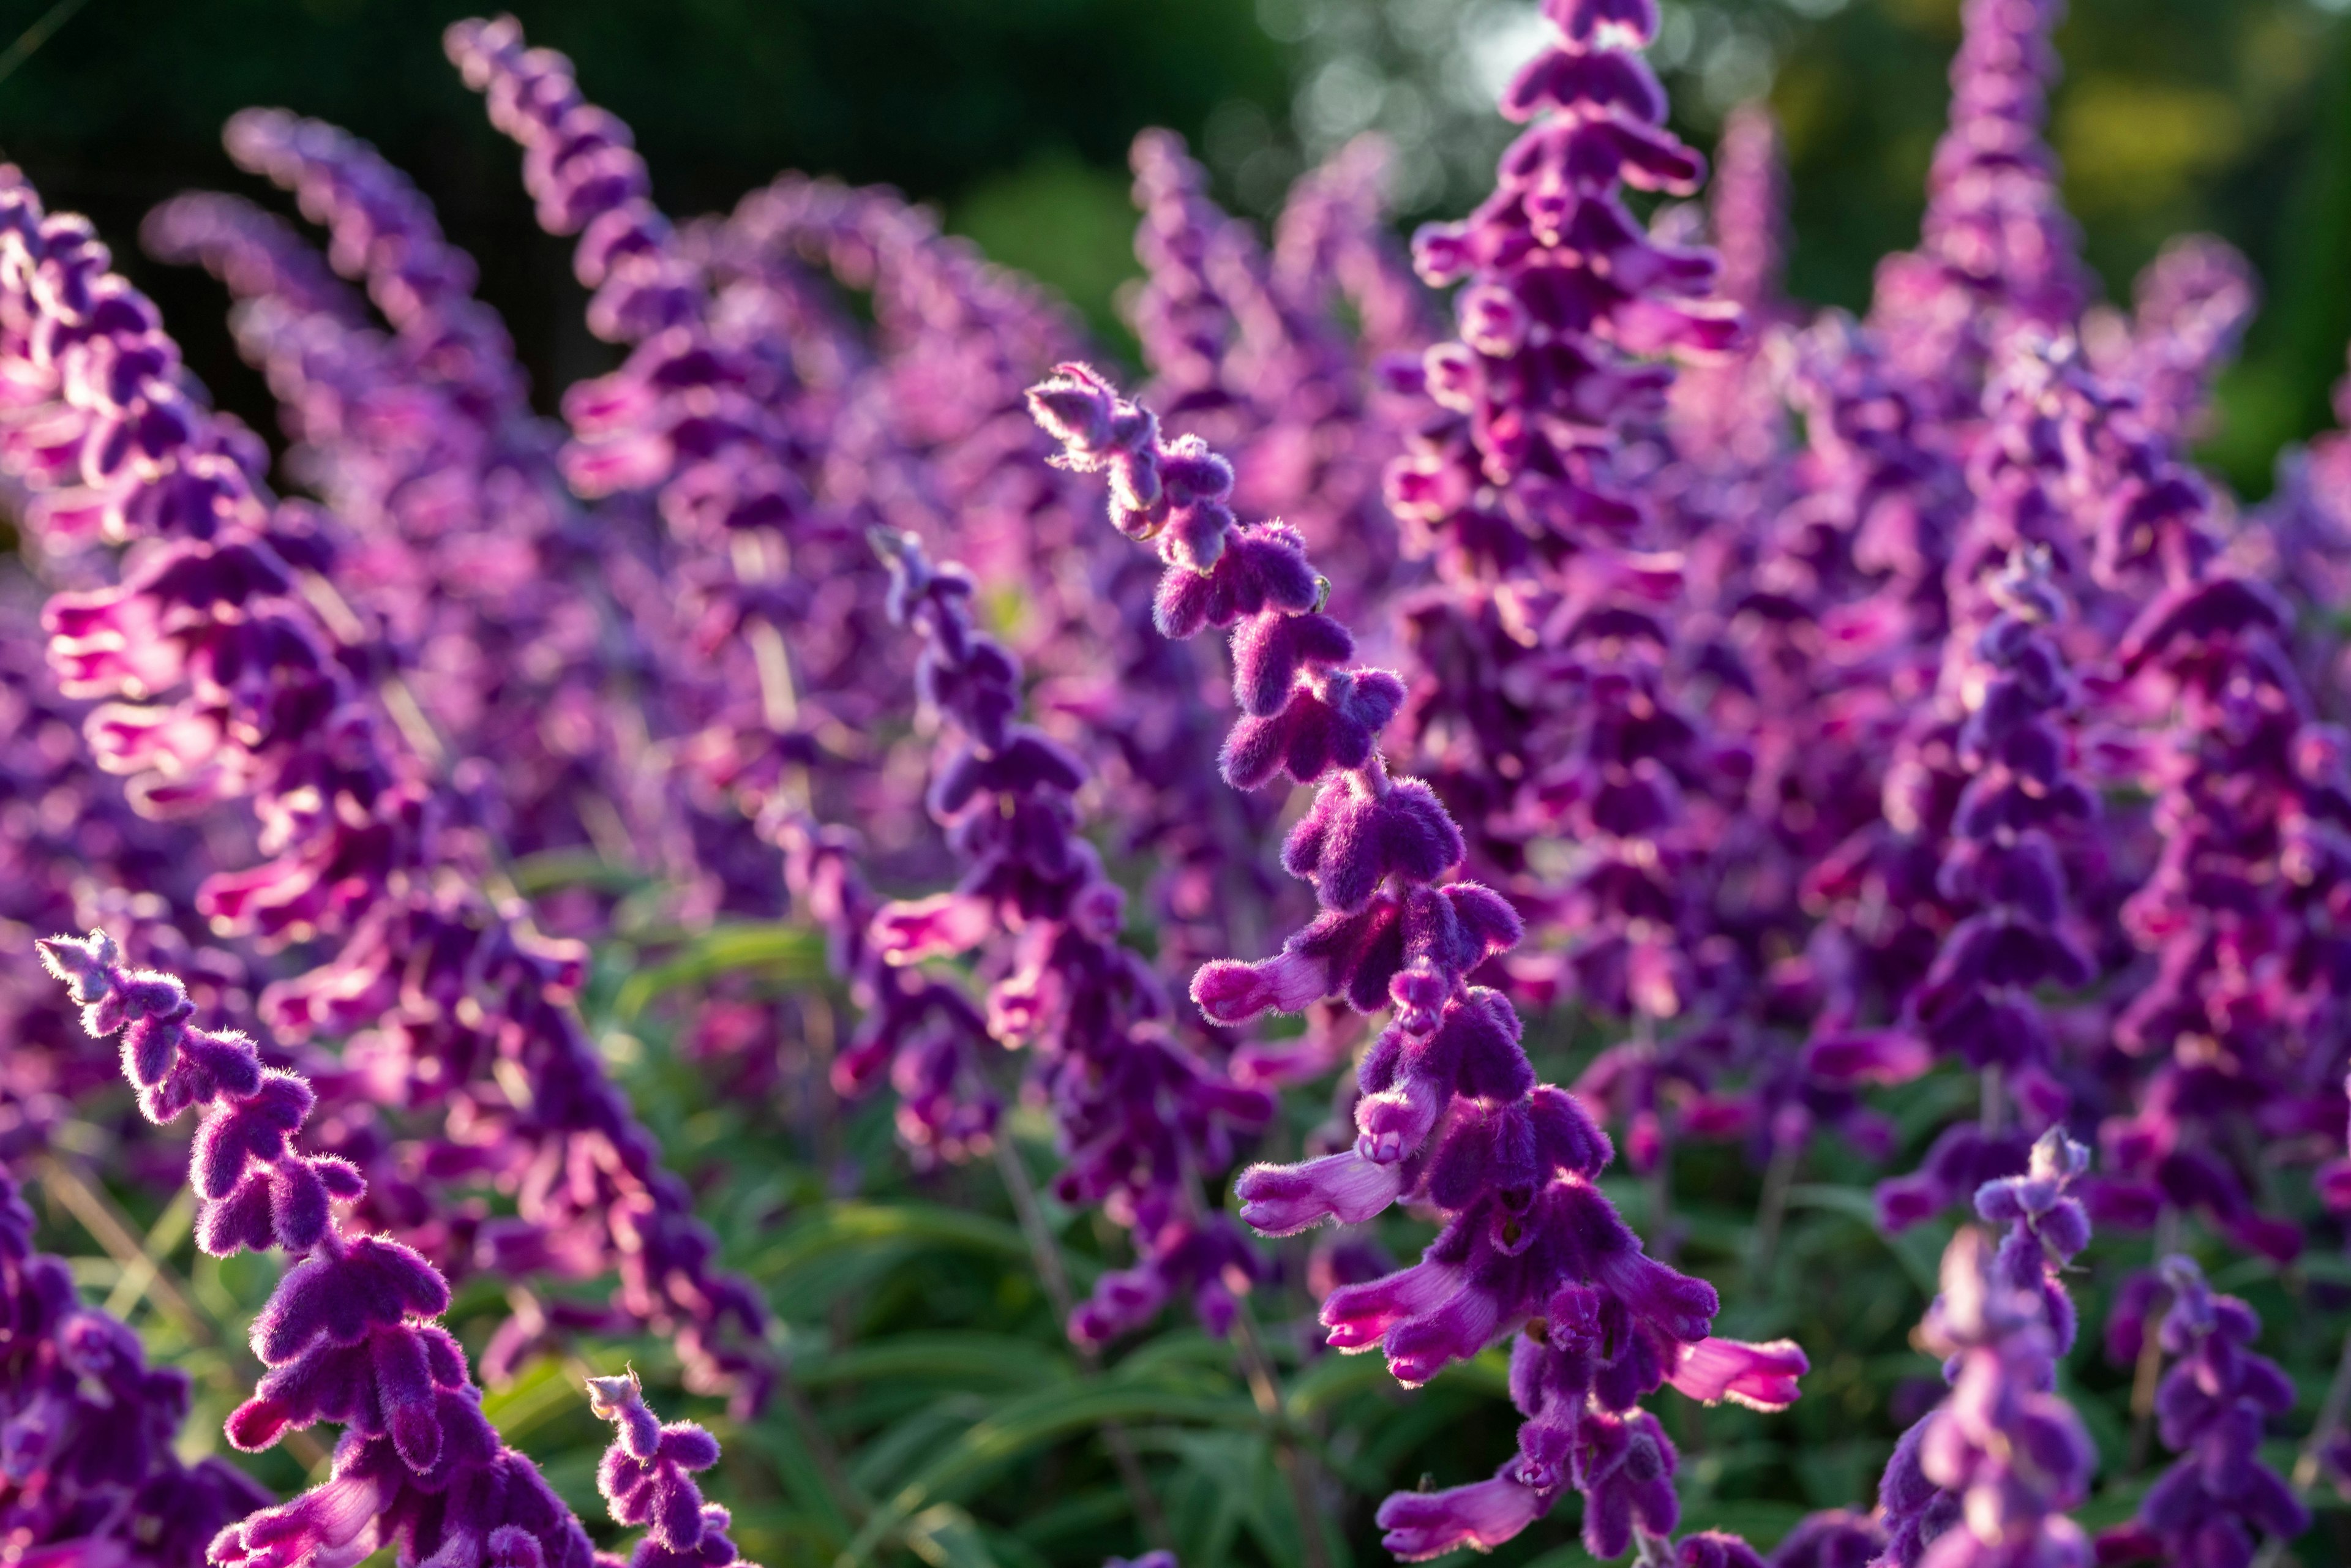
2218 1499
1450 1112
348 1336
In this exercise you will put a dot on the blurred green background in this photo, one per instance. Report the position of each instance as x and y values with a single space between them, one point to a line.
2228 115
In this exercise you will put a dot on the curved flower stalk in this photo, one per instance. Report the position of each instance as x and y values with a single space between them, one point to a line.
467 552
72 850
957 342
709 428
510 576
1142 1121
2214 1503
1247 351
1451 1113
647 1479
1986 1479
87 1474
1996 250
217 681
348 1336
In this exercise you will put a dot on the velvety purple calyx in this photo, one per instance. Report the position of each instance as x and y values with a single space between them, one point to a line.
348 1336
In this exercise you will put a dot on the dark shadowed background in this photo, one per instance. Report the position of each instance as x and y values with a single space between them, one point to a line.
1014 116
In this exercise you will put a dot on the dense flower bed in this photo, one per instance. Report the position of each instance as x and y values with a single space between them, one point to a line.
1793 825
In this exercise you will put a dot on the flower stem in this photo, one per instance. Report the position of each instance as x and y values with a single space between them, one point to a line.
1047 1255
1297 1466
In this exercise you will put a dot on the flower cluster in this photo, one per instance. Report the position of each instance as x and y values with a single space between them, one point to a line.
2212 1506
220 679
1451 1112
1139 1117
349 1337
1988 1477
88 1473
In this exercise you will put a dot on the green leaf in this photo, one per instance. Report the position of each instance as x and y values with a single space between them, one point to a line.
1918 1249
781 950
962 1359
944 1536
1023 1426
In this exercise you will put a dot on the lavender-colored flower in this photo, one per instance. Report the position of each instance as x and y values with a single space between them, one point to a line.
647 1479
1834 1538
1451 1112
87 1474
348 1335
1986 1476
1138 1115
2214 1504
222 682
1997 250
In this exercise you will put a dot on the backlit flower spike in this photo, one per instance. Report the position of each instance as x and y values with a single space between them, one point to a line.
2190 306
1249 354
1982 804
1997 250
2219 1499
1450 1112
350 1335
647 1479
2253 798
459 544
383 232
88 1471
2304 526
218 680
1549 707
1140 1118
709 420
1988 1478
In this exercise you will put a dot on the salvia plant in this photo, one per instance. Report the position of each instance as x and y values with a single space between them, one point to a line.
1757 899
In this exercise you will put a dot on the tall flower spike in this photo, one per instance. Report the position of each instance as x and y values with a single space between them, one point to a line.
1451 1113
1140 1118
647 1479
1985 1479
2212 1506
1996 250
222 681
349 1333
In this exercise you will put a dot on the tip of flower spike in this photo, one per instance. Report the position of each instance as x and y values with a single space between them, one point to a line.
608 1397
81 962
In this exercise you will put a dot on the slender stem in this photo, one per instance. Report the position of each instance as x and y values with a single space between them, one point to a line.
1047 1255
1296 1466
1779 1177
2150 1346
2306 1462
2330 1419
112 1230
1994 1116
